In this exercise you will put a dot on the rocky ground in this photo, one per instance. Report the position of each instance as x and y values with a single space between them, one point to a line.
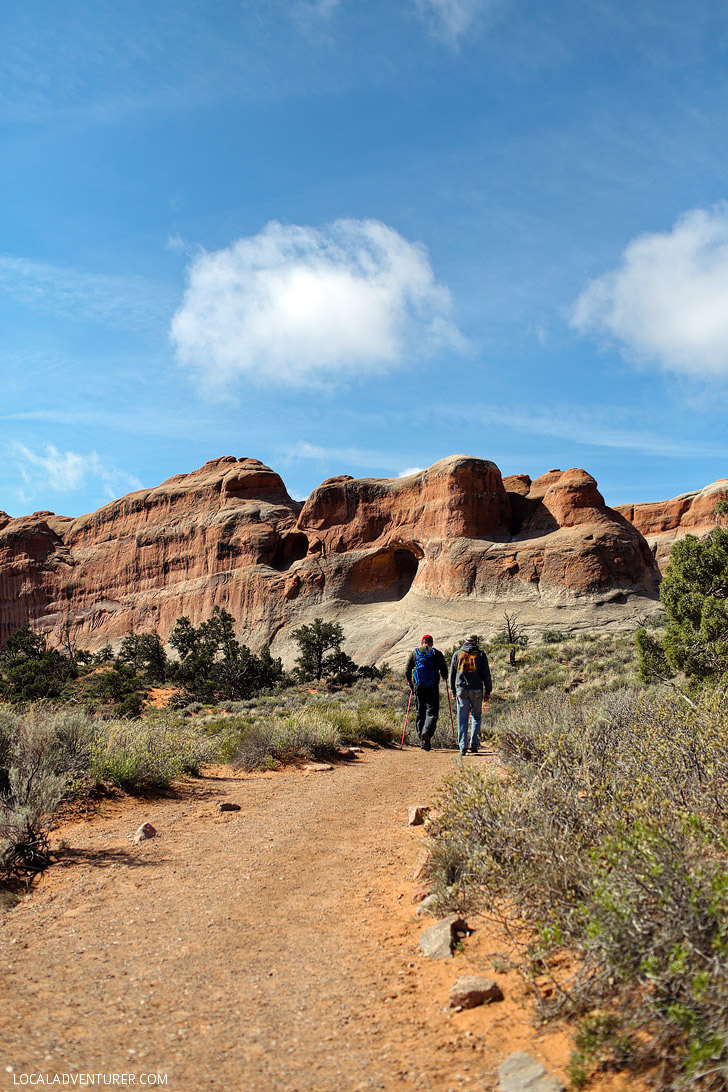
270 949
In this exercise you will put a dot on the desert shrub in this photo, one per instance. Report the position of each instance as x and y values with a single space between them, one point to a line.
375 721
306 734
307 729
610 835
553 636
255 747
149 753
42 749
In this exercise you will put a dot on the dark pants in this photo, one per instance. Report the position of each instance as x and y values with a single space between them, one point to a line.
427 699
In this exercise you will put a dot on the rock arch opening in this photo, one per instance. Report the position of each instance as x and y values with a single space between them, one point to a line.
290 549
382 577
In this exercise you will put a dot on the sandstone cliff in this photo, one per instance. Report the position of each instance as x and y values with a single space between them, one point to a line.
663 522
448 550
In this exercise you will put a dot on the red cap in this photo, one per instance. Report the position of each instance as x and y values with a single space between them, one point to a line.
427 638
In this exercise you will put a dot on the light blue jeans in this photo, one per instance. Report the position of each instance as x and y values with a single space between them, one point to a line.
470 708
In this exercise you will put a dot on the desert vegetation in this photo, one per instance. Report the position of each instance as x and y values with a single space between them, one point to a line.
74 725
602 840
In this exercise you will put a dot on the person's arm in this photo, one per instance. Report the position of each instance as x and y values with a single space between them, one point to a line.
453 671
409 669
487 680
441 665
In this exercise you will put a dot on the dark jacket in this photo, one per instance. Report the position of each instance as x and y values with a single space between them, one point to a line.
479 679
438 662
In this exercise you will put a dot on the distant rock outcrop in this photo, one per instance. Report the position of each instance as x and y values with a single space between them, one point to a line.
449 548
663 522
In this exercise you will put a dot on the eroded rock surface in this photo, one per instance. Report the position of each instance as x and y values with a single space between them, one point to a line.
663 522
450 548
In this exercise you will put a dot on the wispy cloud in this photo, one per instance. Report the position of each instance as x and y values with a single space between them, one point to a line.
122 301
410 470
589 428
346 456
450 20
667 302
306 10
67 471
297 305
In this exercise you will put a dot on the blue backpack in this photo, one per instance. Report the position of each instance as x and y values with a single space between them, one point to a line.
424 673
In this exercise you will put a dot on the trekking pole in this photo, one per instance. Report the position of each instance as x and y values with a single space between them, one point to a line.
405 720
452 722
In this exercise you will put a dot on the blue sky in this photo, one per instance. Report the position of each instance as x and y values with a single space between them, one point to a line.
353 236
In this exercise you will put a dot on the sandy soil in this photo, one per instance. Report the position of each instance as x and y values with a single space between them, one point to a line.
274 948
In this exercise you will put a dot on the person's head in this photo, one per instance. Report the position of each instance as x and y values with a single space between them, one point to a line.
474 640
426 641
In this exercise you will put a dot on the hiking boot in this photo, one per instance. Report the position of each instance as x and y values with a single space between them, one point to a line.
425 743
463 752
474 749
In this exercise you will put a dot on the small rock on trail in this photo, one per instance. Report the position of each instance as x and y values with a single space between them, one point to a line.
146 830
471 990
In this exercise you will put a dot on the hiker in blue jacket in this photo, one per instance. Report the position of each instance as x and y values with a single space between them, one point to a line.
471 684
423 667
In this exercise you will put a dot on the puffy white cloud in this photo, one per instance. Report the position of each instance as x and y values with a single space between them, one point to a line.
451 19
295 305
66 471
667 303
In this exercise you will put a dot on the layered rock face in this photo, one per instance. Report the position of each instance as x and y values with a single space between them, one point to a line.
450 547
663 522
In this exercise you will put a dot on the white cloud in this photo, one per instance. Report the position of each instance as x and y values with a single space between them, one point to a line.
66 471
295 305
449 20
667 303
410 470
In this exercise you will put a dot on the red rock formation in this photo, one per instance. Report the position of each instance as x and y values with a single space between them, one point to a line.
663 522
455 542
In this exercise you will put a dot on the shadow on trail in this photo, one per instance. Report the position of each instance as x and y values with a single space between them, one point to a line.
103 858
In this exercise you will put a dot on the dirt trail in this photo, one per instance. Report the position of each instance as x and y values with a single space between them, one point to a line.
274 948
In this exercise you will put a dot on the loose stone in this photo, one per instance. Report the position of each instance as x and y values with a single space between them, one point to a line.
471 990
437 942
146 830
416 815
522 1073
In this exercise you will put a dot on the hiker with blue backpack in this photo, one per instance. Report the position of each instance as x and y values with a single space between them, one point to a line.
424 666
